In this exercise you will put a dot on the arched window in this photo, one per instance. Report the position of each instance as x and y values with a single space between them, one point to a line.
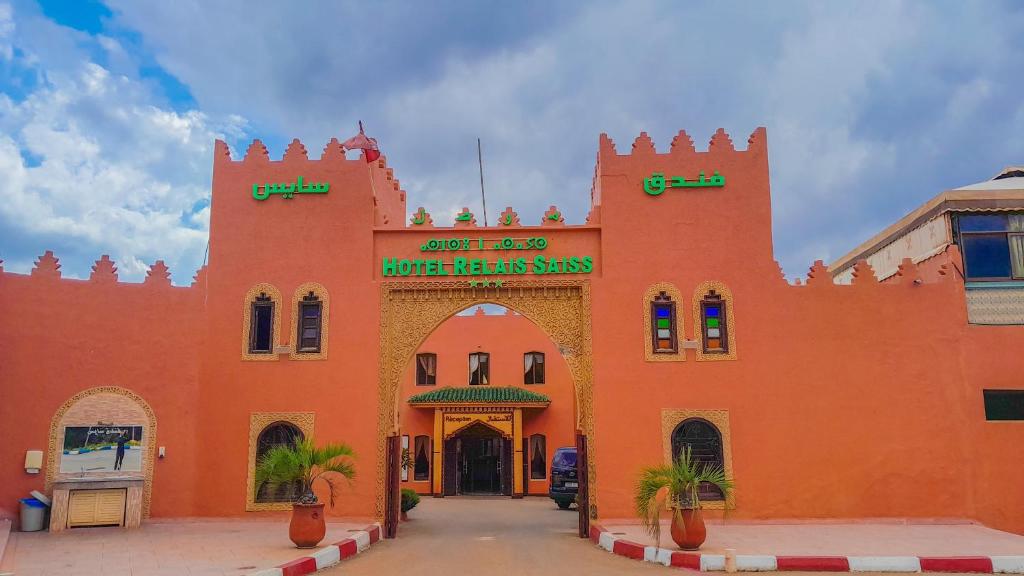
421 460
663 325
705 443
538 457
310 323
277 434
533 363
713 323
261 327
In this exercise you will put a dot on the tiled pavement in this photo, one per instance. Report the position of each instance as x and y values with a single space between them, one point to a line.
189 547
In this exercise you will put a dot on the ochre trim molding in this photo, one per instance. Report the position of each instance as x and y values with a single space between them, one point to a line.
677 297
730 320
411 310
671 418
149 438
258 421
325 321
275 296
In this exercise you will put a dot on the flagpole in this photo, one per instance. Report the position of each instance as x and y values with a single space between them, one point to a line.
480 161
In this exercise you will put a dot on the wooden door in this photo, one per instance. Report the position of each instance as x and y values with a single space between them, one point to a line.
393 499
583 492
97 507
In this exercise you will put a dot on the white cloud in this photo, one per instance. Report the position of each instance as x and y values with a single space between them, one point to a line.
110 172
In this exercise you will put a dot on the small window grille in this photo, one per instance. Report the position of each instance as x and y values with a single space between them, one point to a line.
705 443
277 434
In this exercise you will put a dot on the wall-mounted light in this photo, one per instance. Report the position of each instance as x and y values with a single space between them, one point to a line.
33 461
161 452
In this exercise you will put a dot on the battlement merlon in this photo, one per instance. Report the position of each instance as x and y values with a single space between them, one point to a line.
388 197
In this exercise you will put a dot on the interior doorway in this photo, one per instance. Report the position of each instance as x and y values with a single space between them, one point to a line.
481 462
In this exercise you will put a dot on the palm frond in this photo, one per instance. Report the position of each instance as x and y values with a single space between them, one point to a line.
305 463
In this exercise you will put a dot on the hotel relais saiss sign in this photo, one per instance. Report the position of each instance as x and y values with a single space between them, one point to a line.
434 262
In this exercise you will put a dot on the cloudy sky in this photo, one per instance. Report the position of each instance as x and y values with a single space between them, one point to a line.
108 110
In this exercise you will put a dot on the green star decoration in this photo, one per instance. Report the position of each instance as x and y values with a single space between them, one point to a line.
497 283
472 283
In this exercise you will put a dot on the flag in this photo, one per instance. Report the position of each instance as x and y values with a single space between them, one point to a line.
362 142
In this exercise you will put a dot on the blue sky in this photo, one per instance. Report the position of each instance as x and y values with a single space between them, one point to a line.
109 109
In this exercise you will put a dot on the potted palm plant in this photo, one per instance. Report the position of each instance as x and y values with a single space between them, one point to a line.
302 464
680 482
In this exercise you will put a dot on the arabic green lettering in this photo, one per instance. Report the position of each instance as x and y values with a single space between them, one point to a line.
420 218
508 219
464 216
554 216
717 179
260 195
701 181
287 190
298 187
678 182
655 185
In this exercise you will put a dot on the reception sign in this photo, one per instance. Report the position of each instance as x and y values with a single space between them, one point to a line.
454 422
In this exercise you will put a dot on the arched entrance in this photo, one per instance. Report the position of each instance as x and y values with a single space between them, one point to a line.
410 311
479 461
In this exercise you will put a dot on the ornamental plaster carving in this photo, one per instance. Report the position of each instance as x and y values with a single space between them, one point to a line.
730 320
410 311
670 419
649 355
258 421
325 320
275 296
56 440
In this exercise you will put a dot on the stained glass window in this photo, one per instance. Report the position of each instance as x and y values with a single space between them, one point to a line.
663 325
713 323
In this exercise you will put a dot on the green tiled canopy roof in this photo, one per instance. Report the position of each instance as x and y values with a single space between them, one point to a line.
480 395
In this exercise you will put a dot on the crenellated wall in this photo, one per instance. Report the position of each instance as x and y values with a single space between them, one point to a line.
842 401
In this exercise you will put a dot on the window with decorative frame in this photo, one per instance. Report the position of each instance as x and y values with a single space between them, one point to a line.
426 369
277 434
479 368
533 364
310 313
261 325
705 443
421 459
538 457
714 328
663 336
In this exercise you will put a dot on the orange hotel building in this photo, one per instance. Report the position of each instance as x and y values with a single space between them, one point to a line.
330 309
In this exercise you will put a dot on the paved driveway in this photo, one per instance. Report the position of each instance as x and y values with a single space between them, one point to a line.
492 536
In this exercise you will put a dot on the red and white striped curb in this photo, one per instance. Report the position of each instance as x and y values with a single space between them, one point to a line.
765 563
326 556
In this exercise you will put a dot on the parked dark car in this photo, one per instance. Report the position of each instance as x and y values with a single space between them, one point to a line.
564 482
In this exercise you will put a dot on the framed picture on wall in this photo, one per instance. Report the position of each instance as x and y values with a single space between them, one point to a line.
102 448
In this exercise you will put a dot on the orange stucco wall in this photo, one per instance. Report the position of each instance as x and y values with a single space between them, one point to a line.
844 401
506 337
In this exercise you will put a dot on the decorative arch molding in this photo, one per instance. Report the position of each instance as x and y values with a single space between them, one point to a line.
258 422
671 418
56 440
730 320
649 295
275 296
410 311
325 320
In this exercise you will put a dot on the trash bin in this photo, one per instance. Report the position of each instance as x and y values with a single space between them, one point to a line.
33 515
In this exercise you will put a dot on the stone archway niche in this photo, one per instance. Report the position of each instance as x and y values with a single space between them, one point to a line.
410 311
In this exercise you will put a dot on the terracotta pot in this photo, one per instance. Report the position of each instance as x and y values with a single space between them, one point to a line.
307 527
405 516
688 531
